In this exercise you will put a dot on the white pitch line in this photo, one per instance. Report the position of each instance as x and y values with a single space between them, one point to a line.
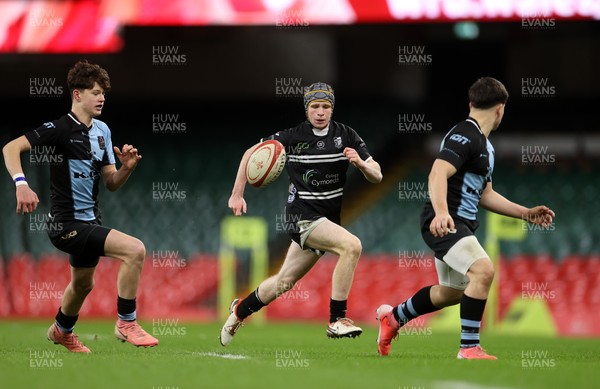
464 385
224 356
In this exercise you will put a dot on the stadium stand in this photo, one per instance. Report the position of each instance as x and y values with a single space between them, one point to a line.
188 291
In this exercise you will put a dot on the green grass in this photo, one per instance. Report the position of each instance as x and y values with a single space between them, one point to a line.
287 356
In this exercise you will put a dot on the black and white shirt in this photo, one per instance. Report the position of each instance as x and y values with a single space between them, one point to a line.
317 168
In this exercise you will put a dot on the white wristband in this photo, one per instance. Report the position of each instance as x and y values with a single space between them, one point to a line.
19 179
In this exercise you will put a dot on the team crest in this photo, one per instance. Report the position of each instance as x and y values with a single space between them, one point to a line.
337 141
101 143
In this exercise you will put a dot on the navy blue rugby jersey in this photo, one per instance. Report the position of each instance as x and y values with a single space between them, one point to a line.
317 168
78 155
471 153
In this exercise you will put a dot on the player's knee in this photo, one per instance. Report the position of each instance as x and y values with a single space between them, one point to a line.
484 271
138 251
352 248
488 274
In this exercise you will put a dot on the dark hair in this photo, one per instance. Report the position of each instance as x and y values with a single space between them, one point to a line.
84 74
487 92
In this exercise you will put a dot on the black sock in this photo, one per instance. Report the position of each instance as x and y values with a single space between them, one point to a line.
471 313
65 323
249 305
419 304
337 309
126 309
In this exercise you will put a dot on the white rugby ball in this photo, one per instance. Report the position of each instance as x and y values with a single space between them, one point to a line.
266 163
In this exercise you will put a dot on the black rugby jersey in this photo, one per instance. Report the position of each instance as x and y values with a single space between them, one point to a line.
76 155
472 154
317 168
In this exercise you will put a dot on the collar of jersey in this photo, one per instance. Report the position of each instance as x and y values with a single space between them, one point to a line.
76 120
322 132
470 119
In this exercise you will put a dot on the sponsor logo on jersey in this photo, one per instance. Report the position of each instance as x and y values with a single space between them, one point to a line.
473 191
321 145
337 141
460 139
82 175
292 195
101 143
315 178
299 147
308 175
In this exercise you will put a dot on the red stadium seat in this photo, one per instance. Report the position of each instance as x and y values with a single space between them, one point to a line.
571 288
21 272
4 303
571 267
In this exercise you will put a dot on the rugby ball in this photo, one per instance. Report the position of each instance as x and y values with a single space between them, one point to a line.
266 163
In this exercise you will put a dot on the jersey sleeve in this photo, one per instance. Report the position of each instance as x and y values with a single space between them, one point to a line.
109 155
283 136
45 135
356 142
456 147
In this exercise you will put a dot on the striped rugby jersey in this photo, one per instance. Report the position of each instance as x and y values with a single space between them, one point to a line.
317 168
76 154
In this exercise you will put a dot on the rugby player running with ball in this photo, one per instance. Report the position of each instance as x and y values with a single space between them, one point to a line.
319 151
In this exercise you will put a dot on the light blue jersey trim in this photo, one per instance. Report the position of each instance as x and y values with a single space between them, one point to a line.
82 184
469 201
99 128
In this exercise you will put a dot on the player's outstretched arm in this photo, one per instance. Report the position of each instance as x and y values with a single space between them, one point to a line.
370 169
442 223
27 199
495 202
236 202
129 158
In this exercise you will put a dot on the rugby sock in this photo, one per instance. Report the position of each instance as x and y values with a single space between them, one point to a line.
126 309
417 305
65 323
249 305
337 309
471 312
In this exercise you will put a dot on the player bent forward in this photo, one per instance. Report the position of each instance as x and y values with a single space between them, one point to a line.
321 148
85 145
459 182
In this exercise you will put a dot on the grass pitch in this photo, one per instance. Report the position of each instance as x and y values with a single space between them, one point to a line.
287 356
